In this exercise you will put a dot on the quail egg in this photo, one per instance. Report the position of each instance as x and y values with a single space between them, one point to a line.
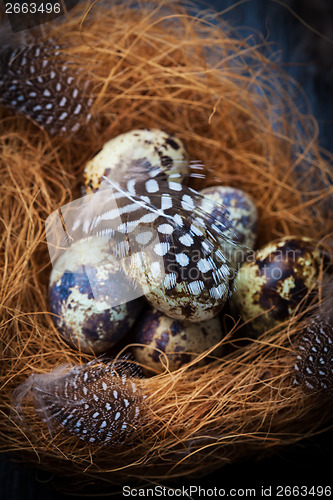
183 284
146 152
270 287
240 209
89 297
180 341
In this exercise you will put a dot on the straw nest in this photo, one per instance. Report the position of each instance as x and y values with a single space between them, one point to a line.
159 65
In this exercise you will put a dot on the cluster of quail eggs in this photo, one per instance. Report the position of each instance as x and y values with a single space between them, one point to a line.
89 288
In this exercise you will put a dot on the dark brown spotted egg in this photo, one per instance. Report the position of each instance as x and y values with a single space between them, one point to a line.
173 343
88 294
270 287
242 211
146 152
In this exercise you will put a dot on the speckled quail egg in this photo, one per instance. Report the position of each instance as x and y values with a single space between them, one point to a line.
146 152
240 209
271 286
184 285
180 341
88 294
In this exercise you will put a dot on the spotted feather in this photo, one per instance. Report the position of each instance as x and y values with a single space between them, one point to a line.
39 82
98 402
314 365
313 368
164 203
171 209
189 241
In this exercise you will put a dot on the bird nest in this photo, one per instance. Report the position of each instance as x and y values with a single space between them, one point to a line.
161 65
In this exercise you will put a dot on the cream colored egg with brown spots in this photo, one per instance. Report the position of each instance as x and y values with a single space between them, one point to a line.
88 296
226 202
142 152
173 343
178 284
271 286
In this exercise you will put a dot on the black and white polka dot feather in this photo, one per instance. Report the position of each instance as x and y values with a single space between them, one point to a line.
98 402
188 235
314 364
40 83
314 353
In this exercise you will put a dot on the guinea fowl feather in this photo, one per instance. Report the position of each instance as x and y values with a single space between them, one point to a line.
314 363
39 82
99 402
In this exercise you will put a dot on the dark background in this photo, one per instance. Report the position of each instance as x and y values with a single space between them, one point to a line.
308 57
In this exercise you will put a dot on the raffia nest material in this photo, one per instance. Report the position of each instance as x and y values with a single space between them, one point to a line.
157 65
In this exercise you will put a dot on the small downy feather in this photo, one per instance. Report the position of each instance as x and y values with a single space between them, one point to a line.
99 402
313 368
39 82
